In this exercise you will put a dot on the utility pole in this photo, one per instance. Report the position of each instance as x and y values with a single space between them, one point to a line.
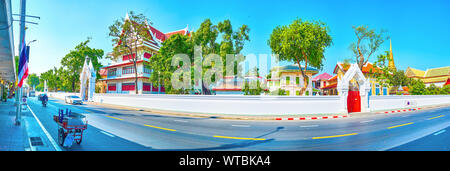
21 41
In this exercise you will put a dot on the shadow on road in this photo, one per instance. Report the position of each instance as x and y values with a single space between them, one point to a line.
239 144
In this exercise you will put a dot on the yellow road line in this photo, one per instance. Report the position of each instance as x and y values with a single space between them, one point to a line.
400 125
167 129
334 136
239 138
114 118
435 117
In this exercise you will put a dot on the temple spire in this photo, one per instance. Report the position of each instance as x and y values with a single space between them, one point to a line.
391 57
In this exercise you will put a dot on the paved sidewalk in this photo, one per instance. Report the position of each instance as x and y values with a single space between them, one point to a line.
28 136
12 137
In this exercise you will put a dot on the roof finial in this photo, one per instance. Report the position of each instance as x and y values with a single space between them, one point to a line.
127 17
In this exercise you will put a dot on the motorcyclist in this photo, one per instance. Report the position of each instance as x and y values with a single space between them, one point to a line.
44 99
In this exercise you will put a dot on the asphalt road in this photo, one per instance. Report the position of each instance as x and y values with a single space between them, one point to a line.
112 129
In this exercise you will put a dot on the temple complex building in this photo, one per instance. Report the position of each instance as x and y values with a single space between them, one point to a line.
436 76
120 74
290 79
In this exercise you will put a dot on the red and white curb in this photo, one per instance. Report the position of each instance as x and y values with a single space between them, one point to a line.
401 110
313 118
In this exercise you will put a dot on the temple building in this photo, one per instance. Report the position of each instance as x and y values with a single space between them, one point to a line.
233 85
368 70
290 79
436 76
120 74
320 81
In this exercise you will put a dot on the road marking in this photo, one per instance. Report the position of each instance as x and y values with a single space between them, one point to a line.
400 125
180 121
241 125
114 118
334 136
108 134
366 121
45 131
435 117
308 126
167 129
440 132
239 138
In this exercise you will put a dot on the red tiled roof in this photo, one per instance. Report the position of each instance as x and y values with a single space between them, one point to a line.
323 76
368 68
333 78
330 86
158 34
103 72
182 32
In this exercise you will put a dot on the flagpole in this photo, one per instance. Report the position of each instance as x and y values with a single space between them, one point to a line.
22 41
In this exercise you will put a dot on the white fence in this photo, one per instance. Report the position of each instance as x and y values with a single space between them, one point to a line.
258 105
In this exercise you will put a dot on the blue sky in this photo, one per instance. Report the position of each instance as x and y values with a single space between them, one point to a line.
420 30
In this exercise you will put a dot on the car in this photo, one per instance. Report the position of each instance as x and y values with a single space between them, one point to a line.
73 100
32 94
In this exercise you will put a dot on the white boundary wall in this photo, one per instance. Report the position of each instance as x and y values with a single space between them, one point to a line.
228 104
378 103
257 105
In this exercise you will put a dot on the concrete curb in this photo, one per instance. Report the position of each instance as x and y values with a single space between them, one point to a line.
314 117
401 110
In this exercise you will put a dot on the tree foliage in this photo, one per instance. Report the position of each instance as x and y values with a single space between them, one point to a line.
207 36
301 42
33 80
67 77
73 63
367 43
127 35
161 62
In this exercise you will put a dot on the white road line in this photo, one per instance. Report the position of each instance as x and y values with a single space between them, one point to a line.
366 121
241 125
308 126
440 132
180 121
108 134
45 131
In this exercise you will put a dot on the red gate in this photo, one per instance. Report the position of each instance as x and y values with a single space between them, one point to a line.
353 101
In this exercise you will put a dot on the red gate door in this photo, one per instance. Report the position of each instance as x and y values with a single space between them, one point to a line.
353 101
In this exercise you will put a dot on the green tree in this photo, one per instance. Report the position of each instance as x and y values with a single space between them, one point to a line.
232 42
52 79
16 60
73 63
398 78
432 90
161 63
33 80
127 35
367 43
417 87
252 87
301 42
445 90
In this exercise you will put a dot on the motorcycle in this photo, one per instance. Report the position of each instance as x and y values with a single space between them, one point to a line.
44 103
